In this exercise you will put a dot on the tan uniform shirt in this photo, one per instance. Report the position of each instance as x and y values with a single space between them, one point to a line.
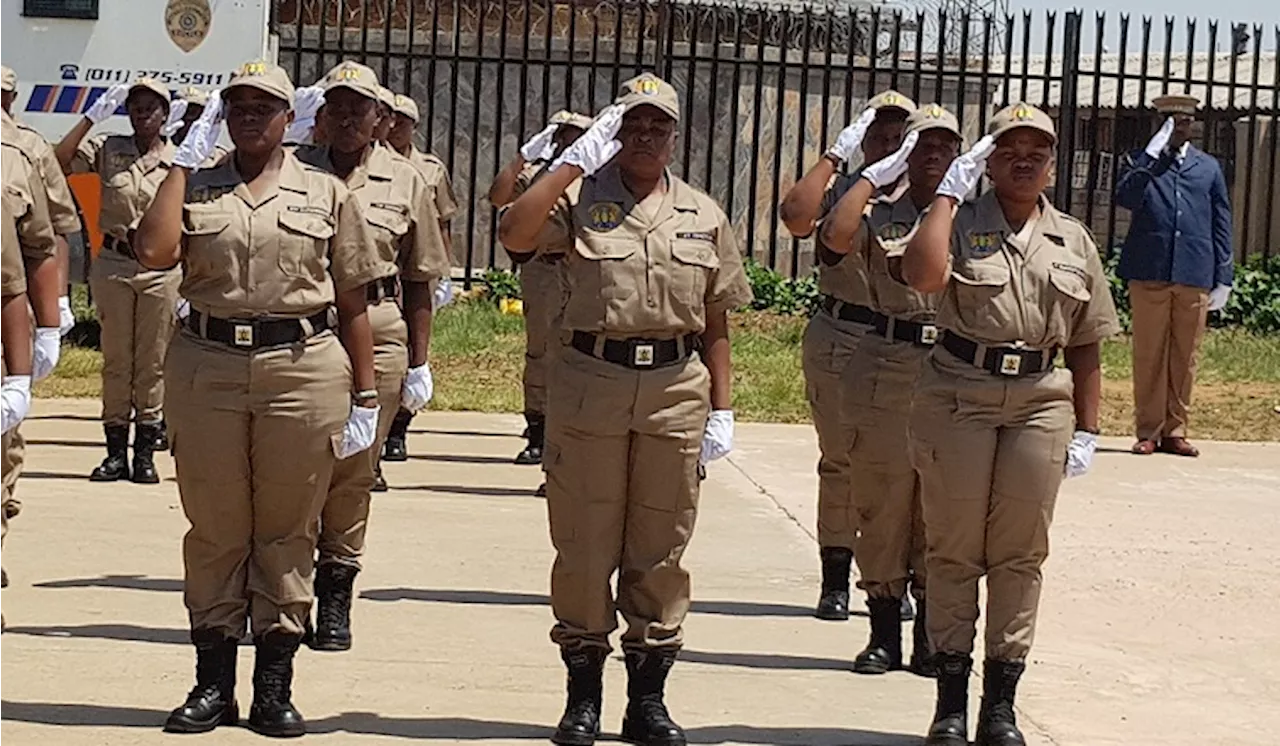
437 176
284 255
1043 285
14 280
130 179
634 276
842 277
62 208
400 210
889 222
526 177
27 203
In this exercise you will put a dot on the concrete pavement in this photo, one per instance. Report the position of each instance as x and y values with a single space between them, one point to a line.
1158 619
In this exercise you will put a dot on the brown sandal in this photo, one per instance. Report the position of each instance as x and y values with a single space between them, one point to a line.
1144 447
1178 447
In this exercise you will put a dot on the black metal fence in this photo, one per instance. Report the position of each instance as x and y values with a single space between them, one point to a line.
765 90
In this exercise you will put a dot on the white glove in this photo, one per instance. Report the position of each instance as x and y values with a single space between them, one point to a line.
443 294
66 319
541 146
966 171
202 138
16 395
48 348
1160 139
1080 453
851 137
888 170
306 102
418 388
717 442
359 432
597 146
107 103
182 308
177 110
1218 297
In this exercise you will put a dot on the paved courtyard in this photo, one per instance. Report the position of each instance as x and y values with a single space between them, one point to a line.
1158 624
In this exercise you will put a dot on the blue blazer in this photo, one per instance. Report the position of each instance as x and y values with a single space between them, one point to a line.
1181 227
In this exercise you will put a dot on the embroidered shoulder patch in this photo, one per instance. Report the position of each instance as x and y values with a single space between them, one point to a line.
894 231
985 244
605 216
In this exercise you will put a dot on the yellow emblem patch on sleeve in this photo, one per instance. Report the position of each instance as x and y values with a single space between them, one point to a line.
605 216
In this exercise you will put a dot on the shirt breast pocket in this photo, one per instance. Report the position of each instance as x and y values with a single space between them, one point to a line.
978 285
695 262
389 223
1070 294
303 245
605 271
205 253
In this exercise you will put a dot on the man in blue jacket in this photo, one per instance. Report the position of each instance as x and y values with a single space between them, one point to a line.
1178 262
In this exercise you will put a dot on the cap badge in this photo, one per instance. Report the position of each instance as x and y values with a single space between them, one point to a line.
934 112
647 86
1022 113
347 74
253 68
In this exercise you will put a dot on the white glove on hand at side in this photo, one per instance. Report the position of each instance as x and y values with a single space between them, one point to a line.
418 388
202 138
182 308
966 171
1160 139
66 319
851 137
540 147
1080 453
717 442
359 432
443 294
16 396
48 348
597 146
177 110
107 103
889 169
1218 297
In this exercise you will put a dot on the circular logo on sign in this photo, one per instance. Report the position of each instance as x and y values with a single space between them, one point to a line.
187 22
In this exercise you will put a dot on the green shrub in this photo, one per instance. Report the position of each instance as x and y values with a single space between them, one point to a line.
780 294
1254 303
502 284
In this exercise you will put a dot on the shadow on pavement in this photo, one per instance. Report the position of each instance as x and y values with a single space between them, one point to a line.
125 632
430 729
69 417
772 661
54 475
799 736
464 489
131 582
465 433
462 458
66 443
51 713
510 598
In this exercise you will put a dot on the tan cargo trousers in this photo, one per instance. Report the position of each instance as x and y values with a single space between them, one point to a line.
543 293
991 453
253 437
622 496
1168 324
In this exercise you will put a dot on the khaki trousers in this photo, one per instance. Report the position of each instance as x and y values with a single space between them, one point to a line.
253 437
622 497
828 346
345 518
991 453
135 310
1168 324
543 290
14 456
878 386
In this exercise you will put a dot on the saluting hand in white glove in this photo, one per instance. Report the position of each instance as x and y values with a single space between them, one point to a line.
107 103
15 396
540 147
851 137
202 138
966 171
597 146
1080 453
177 110
717 441
1160 139
359 432
890 168
418 388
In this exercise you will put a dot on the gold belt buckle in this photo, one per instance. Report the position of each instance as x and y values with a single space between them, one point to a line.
642 355
242 335
928 334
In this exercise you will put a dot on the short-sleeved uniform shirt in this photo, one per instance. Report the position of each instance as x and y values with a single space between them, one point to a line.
130 179
62 208
1043 286
843 277
284 255
14 280
632 275
399 208
526 177
889 222
27 203
437 176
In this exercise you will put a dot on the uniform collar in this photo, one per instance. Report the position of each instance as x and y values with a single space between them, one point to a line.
378 163
1047 224
679 197
293 178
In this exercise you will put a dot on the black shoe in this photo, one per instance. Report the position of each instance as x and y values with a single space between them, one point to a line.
580 724
537 432
541 491
273 713
116 465
334 584
833 605
997 724
213 700
396 448
647 721
905 612
951 714
162 438
379 481
922 661
144 442
884 652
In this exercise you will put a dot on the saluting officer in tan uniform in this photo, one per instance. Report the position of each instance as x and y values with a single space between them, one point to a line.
194 100
877 386
400 138
992 424
135 305
542 285
260 386
402 219
640 397
832 335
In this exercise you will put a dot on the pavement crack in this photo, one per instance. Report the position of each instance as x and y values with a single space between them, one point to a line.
776 503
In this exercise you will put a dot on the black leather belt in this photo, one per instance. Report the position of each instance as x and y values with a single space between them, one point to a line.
380 290
848 311
921 335
253 334
639 354
1013 362
111 243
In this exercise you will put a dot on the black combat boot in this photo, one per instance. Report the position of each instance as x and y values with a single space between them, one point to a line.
951 714
116 465
162 438
884 651
997 725
213 700
144 443
922 662
906 613
532 453
580 724
379 481
833 605
334 586
397 445
647 721
273 713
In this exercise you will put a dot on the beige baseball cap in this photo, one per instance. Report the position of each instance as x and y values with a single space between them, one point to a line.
359 78
9 79
892 100
386 97
193 96
933 117
265 77
648 89
1019 115
153 85
1176 103
571 119
406 106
